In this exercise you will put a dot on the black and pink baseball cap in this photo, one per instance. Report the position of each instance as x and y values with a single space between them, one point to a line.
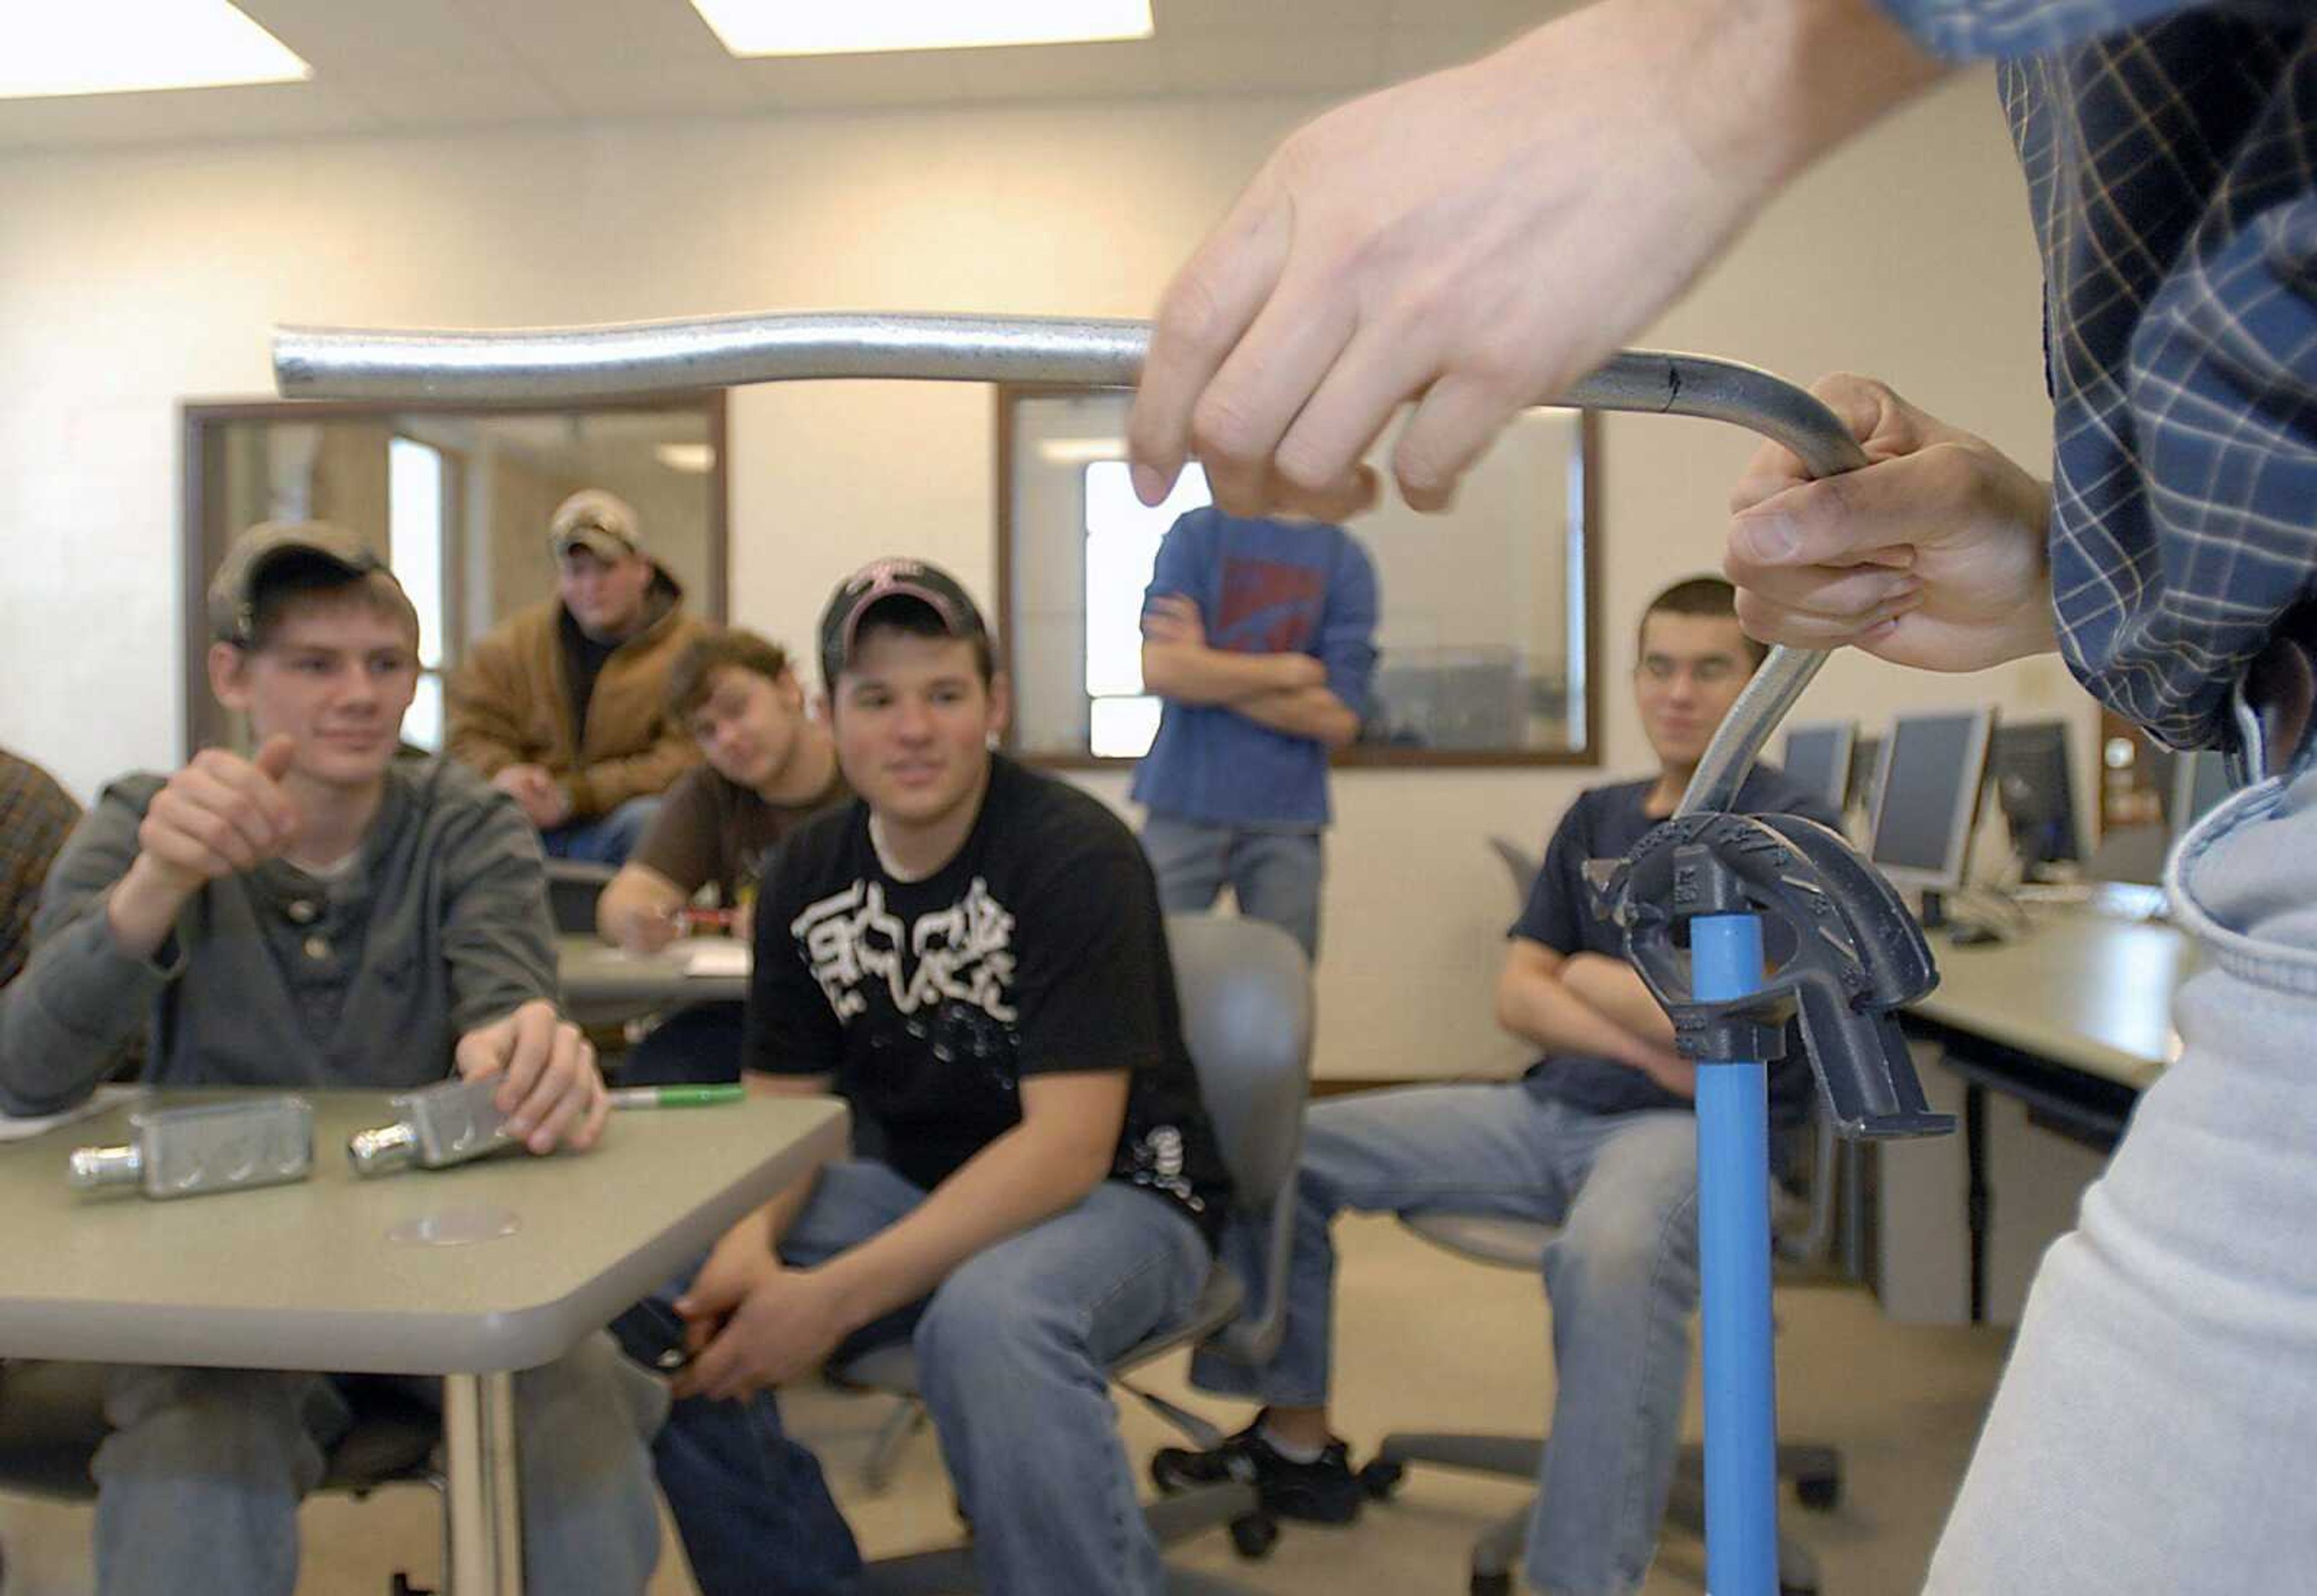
893 578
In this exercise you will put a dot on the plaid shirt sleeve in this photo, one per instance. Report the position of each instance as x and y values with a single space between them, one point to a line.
2168 152
35 816
1967 29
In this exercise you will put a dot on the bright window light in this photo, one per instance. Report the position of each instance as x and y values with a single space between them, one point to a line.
799 28
120 46
414 521
1122 538
1122 728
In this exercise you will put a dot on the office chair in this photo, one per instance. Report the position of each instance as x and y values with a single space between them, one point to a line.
1521 864
1246 998
1802 1231
573 885
52 1420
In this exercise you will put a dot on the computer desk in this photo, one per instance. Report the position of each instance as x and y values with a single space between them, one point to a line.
361 1277
2073 1018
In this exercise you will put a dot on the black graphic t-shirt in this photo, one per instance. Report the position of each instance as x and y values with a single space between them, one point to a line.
1038 949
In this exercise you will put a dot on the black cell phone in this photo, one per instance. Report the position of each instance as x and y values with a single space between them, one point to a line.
653 1334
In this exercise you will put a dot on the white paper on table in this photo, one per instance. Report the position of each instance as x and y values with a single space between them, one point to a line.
716 957
13 1129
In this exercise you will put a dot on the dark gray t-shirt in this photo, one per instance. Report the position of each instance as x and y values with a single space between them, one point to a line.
275 977
1604 823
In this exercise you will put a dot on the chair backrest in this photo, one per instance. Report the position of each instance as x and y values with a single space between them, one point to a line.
1246 996
573 885
1521 864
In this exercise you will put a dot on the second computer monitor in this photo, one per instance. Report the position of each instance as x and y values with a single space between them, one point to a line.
1927 796
1818 759
2028 761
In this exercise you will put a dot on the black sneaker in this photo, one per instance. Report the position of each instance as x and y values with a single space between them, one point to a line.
1322 1492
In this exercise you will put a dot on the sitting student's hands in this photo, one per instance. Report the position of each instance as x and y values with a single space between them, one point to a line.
541 797
640 927
221 815
553 1094
1932 555
1668 1068
754 1322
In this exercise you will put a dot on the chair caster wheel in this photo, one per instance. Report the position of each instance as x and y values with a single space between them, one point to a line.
1819 1493
1170 1470
1380 1477
1253 1535
403 1587
1492 1585
1788 1590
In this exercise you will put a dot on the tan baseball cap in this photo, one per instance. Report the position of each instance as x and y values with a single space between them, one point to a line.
260 552
602 523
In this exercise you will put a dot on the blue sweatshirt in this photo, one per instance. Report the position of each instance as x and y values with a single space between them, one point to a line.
1262 586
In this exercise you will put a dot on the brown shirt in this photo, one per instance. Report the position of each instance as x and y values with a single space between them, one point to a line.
710 828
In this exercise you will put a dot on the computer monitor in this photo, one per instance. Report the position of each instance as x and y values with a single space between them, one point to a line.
2028 764
1927 796
1818 759
2199 781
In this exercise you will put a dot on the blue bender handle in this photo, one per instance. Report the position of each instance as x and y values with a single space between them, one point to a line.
1733 1230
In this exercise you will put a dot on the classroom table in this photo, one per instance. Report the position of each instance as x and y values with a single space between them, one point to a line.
2073 1018
470 1273
604 985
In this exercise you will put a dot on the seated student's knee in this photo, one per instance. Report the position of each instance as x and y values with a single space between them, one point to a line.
593 1385
258 1426
986 1322
1634 1224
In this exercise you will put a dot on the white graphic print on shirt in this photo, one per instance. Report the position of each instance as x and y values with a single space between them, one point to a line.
964 953
959 969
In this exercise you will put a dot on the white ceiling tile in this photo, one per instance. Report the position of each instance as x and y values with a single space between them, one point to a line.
1300 18
635 34
404 38
1227 62
277 110
597 91
906 77
462 99
1064 71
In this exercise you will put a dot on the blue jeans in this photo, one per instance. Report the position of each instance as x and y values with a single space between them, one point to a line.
1274 875
1621 1276
2156 1429
607 839
1013 1351
197 1485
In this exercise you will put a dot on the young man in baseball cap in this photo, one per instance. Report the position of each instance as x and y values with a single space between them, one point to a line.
560 706
973 955
318 914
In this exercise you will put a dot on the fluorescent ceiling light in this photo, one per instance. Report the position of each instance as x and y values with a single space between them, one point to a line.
692 459
119 46
848 27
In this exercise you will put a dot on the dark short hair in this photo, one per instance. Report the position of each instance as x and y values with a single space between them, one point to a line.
1701 596
295 578
693 676
912 616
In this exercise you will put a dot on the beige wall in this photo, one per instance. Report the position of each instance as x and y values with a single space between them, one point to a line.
131 281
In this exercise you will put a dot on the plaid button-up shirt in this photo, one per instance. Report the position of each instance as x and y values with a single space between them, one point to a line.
35 816
2170 154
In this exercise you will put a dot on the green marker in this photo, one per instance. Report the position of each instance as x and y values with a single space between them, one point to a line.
675 1096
